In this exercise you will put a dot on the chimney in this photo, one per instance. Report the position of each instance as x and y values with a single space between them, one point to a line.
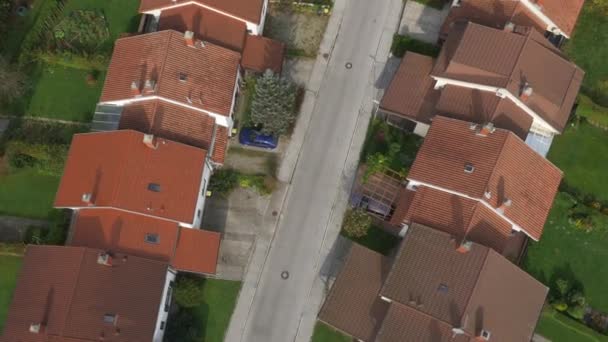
189 38
486 129
487 194
526 92
464 247
87 198
509 27
36 328
135 91
504 205
149 87
150 141
104 259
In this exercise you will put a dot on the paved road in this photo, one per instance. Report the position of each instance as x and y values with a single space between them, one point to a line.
278 303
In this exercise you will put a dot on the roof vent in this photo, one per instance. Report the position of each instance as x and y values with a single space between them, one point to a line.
473 126
487 194
457 331
469 168
486 129
189 38
526 92
104 259
464 247
484 335
35 328
509 27
149 87
507 203
87 198
135 91
150 141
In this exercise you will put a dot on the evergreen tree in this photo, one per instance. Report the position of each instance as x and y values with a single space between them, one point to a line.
274 103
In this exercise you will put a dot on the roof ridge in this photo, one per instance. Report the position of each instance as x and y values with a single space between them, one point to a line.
483 267
123 168
500 155
469 226
164 62
527 39
172 258
72 292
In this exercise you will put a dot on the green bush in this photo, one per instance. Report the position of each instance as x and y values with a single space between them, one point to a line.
184 326
402 43
6 7
356 223
46 159
188 292
223 181
42 132
55 234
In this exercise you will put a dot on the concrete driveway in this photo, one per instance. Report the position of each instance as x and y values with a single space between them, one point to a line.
422 22
281 300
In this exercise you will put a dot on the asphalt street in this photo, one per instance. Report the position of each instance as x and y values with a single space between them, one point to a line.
291 266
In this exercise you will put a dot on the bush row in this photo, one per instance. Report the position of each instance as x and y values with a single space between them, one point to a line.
225 180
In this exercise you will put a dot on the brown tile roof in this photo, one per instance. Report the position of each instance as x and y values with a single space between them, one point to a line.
486 56
248 10
402 206
564 13
474 290
263 53
503 165
69 292
174 122
117 169
206 24
163 57
353 305
186 249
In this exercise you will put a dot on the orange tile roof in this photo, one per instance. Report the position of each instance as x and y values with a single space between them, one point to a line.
186 249
118 170
206 24
203 77
504 166
248 10
263 53
176 123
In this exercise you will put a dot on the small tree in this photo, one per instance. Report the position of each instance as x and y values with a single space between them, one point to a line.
356 223
12 82
188 292
274 104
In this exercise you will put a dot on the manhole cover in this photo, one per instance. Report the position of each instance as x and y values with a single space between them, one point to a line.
349 65
284 274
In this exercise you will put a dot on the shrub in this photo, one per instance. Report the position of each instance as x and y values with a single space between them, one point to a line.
223 181
274 104
12 81
356 223
59 226
6 6
81 32
183 326
46 159
188 292
42 132
402 43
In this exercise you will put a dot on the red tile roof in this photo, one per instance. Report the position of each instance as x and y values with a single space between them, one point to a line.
69 292
176 123
248 10
206 24
511 60
118 169
564 13
503 165
209 72
186 249
263 53
220 148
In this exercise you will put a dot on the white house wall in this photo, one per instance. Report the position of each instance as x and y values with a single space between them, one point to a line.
200 203
162 314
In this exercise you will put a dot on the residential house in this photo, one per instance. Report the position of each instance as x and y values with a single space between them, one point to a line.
82 294
484 180
554 19
437 288
514 79
258 53
174 68
251 13
135 173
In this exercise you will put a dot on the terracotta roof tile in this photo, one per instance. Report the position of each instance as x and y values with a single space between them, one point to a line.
503 165
486 56
564 13
118 170
206 24
66 288
248 10
263 53
186 249
220 148
201 77
354 305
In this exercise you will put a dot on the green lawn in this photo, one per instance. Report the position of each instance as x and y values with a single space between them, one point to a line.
325 333
27 193
9 269
63 93
582 153
214 314
571 253
588 50
377 240
558 327
592 111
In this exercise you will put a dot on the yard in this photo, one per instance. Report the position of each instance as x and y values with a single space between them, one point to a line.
558 327
9 269
378 240
27 193
325 333
581 152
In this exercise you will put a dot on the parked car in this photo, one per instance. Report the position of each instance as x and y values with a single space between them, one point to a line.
251 137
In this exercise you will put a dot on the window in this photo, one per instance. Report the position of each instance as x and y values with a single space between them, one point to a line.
469 168
443 288
109 318
485 335
198 213
183 77
152 238
154 187
204 188
168 299
162 325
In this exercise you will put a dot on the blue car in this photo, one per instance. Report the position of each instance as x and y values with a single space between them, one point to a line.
251 137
